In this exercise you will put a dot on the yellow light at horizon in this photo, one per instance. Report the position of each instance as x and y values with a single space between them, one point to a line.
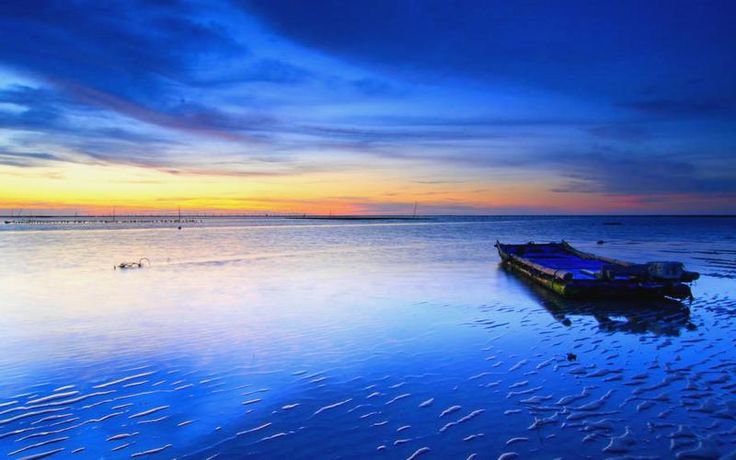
98 188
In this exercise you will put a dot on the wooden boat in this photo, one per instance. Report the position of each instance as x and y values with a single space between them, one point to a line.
576 274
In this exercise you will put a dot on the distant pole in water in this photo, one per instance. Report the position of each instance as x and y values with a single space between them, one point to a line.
113 213
414 215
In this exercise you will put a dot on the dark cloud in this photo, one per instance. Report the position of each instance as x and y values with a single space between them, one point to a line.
632 174
622 132
581 47
442 120
26 159
696 107
29 96
52 116
121 48
189 117
125 58
388 134
374 87
274 71
48 111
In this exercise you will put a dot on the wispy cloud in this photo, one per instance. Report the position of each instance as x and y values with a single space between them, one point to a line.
685 107
617 173
26 159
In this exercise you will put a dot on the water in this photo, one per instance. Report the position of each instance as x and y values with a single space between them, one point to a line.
335 339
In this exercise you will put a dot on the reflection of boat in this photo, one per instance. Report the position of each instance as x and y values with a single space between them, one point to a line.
576 274
659 316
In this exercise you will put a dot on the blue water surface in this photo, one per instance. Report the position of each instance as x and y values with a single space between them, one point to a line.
281 338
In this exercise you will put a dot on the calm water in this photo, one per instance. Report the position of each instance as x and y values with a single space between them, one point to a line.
329 339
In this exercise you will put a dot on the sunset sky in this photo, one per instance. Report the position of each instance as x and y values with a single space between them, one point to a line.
368 107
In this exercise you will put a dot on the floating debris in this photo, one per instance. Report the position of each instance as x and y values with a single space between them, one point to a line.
127 265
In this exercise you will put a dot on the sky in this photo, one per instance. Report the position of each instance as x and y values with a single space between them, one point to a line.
367 107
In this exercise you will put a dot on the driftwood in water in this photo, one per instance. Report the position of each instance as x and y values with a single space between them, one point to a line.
127 265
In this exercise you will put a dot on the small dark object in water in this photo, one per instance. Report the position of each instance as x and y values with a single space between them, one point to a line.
572 356
127 265
600 242
179 227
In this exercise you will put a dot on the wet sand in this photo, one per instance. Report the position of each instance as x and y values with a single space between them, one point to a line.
403 340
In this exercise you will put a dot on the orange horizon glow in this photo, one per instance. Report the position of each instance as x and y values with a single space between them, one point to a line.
105 189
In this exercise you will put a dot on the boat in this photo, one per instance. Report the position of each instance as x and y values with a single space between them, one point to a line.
573 273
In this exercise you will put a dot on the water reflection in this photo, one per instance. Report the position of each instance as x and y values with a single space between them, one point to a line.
312 341
663 317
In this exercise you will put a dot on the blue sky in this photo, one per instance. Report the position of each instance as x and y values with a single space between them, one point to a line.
570 106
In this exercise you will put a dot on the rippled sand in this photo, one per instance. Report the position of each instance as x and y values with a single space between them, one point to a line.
395 340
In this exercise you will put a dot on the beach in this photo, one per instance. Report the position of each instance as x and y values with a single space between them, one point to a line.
307 338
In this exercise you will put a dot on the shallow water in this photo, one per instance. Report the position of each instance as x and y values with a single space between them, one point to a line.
331 339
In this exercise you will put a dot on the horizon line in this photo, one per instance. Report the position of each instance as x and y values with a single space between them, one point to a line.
317 215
